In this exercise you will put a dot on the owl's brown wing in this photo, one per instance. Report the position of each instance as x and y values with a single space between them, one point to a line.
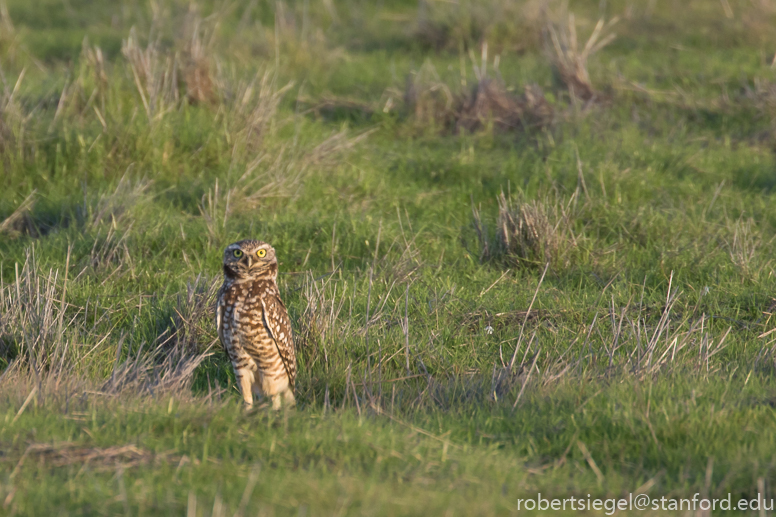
279 327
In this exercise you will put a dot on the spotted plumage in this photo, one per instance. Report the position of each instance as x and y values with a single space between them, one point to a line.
253 324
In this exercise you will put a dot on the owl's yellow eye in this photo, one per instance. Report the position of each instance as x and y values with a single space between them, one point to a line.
261 253
237 253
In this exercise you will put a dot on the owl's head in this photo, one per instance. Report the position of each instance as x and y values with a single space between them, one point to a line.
250 259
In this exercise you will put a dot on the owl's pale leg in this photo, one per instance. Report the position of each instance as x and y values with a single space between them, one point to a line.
245 378
288 398
283 399
257 394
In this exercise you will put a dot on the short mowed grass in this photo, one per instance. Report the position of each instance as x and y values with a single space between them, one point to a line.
496 291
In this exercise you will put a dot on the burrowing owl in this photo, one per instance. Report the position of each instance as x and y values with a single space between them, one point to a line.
253 324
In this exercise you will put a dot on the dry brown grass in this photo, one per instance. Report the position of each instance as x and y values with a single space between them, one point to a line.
274 173
34 328
319 324
100 459
526 230
19 222
251 113
215 208
528 233
428 100
333 148
12 116
333 107
165 369
86 95
198 76
760 97
744 247
570 61
7 30
110 253
194 314
487 104
111 217
757 21
93 63
254 106
164 77
45 339
491 103
169 366
155 76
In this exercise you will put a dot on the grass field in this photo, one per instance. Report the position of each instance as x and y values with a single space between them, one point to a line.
514 264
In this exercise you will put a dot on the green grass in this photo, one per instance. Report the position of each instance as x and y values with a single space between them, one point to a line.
645 361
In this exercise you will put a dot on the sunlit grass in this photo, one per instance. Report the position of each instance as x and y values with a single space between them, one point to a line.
445 367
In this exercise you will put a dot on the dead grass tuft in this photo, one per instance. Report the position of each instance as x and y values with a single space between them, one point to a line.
569 61
7 30
179 351
319 323
94 61
527 232
761 97
42 339
5 18
757 21
276 173
487 104
12 116
337 108
33 323
215 208
169 368
87 94
92 81
101 459
20 221
194 314
155 76
111 252
110 220
197 67
744 247
491 103
339 143
429 101
255 106
161 74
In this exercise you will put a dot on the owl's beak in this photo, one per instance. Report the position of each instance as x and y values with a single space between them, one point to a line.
249 260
